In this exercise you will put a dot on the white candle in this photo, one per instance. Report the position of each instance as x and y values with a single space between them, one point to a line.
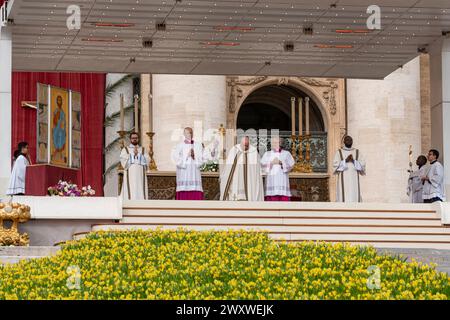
136 114
121 113
300 116
293 115
307 114
150 113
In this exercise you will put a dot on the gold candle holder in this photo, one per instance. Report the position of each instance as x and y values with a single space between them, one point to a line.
308 148
152 165
307 164
300 148
303 165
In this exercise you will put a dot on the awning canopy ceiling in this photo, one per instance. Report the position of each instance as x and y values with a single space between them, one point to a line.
225 37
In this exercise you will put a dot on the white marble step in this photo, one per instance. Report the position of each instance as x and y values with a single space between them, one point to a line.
15 254
15 259
258 220
292 214
28 251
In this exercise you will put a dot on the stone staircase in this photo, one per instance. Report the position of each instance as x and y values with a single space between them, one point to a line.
380 225
10 255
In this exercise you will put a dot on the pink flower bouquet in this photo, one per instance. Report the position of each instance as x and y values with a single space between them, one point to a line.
67 189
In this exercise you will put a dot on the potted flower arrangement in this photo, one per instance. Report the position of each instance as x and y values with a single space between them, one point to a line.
210 166
67 189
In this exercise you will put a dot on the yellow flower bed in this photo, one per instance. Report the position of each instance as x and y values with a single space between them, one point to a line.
216 265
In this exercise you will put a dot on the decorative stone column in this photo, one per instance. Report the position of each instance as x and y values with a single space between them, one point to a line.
185 101
440 103
5 107
425 101
384 119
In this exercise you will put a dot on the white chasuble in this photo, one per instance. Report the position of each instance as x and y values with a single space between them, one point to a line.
17 180
134 185
189 177
415 185
348 174
277 180
241 177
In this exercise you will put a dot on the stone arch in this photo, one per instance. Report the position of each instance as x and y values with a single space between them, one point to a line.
328 94
295 83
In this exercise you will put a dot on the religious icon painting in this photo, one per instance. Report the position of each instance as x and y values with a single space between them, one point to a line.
42 113
42 94
76 129
76 120
76 139
76 158
43 132
42 153
59 127
42 123
76 101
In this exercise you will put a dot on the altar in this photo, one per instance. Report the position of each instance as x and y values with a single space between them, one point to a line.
304 186
41 176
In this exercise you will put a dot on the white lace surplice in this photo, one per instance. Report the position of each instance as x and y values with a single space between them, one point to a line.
277 181
189 177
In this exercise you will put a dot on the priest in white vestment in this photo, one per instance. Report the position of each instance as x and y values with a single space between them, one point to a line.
135 162
188 158
433 180
348 165
21 161
241 176
277 163
415 184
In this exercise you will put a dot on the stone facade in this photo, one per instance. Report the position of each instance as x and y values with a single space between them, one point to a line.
185 101
384 118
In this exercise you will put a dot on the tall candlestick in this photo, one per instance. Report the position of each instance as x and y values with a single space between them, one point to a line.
150 113
300 116
293 115
122 116
136 114
307 114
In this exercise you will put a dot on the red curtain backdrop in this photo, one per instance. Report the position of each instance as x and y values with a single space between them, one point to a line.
92 89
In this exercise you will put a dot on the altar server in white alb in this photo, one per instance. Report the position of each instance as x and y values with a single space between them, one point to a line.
135 162
277 163
188 158
433 180
241 176
21 161
415 184
348 165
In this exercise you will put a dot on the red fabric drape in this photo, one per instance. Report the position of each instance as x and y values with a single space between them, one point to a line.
92 89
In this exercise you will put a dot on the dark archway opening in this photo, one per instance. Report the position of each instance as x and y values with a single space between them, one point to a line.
269 107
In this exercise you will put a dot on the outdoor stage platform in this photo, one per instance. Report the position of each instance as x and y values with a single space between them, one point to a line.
55 220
